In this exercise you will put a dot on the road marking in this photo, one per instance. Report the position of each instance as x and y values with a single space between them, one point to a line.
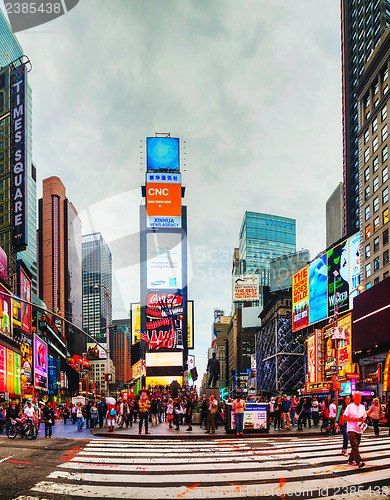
5 458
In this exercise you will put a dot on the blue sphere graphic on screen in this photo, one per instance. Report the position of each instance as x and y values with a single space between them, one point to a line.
163 154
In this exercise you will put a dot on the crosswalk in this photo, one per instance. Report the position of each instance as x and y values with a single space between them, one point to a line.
220 468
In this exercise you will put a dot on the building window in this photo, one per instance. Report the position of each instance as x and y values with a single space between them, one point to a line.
384 133
376 244
376 224
385 195
374 125
376 280
368 231
385 216
367 155
384 154
386 275
367 174
376 88
385 258
376 264
385 174
376 204
384 113
366 136
375 144
375 164
385 74
367 252
366 193
368 270
385 237
385 90
376 184
367 100
367 212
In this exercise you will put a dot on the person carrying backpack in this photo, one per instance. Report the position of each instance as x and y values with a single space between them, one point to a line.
111 414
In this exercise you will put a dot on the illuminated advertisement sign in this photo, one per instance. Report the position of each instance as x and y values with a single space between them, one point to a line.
319 353
338 275
16 312
311 360
164 380
24 291
163 359
27 366
164 261
318 291
3 369
94 351
301 299
135 322
137 370
163 200
52 375
164 321
5 323
354 267
190 322
344 350
246 288
13 372
334 276
19 157
329 352
3 265
162 154
40 364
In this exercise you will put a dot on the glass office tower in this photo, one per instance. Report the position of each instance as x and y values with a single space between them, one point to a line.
264 237
96 270
363 23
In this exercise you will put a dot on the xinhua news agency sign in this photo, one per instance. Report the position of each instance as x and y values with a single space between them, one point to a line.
18 157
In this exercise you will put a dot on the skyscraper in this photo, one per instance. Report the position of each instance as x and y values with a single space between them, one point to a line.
264 237
59 257
96 270
10 57
362 26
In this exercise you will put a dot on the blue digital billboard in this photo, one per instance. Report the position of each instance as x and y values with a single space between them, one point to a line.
162 154
318 290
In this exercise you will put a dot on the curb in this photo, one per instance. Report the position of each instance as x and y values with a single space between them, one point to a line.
205 437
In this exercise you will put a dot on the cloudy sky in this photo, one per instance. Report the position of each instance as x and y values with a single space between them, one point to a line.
252 87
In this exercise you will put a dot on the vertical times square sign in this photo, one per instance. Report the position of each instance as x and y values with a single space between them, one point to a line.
18 157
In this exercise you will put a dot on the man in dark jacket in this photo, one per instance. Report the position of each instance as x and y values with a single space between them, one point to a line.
286 404
48 418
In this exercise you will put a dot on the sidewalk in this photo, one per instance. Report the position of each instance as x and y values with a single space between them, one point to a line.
162 431
59 430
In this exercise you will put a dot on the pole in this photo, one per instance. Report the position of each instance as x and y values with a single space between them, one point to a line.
108 344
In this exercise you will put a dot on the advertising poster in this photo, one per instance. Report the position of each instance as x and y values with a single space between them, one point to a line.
255 417
311 360
246 288
318 291
52 375
162 154
338 278
163 200
3 369
164 261
301 299
354 267
40 364
164 321
329 352
25 293
135 323
136 370
16 313
3 265
344 350
319 353
10 371
94 351
26 371
190 321
17 367
5 323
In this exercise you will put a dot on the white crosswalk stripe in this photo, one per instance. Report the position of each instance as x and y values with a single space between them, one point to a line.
259 467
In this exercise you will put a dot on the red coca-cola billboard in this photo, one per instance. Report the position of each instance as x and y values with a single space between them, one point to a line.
164 322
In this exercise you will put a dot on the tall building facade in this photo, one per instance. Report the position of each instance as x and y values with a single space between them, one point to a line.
96 270
374 145
59 258
120 348
264 237
11 55
362 26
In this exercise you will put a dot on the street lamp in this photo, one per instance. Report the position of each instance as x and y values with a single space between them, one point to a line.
97 286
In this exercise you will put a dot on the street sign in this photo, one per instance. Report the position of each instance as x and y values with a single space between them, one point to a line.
108 377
